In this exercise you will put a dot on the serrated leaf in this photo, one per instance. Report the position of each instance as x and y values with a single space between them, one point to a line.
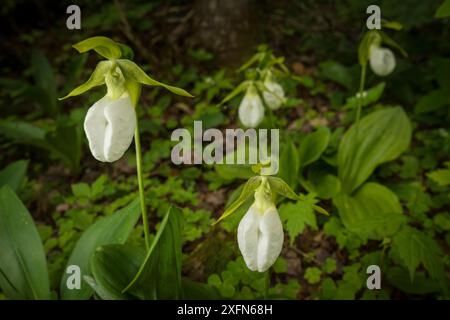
104 46
132 71
97 78
248 191
297 215
414 248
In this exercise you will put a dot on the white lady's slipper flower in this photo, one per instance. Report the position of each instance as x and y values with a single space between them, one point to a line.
109 126
382 60
260 235
251 109
273 95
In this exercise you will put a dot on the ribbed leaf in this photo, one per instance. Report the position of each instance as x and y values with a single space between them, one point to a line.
109 230
23 267
381 137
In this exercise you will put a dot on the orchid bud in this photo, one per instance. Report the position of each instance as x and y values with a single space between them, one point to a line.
109 126
273 95
251 110
382 60
260 234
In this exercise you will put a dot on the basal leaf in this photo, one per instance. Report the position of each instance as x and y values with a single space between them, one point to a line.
159 276
108 230
14 174
373 212
381 137
23 266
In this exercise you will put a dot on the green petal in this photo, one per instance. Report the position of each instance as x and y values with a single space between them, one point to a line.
132 72
97 78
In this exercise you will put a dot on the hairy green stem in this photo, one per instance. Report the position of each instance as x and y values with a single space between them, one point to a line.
137 142
360 98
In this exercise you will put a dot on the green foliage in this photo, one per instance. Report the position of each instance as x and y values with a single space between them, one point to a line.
109 230
23 268
297 215
380 137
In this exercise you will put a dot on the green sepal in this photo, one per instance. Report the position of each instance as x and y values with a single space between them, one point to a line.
248 191
133 72
240 88
391 42
279 186
102 45
97 78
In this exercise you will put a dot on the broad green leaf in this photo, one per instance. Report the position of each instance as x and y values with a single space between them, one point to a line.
297 215
97 78
381 137
65 143
289 164
104 46
248 191
24 133
23 267
373 212
108 230
338 73
441 176
313 145
159 276
132 71
14 174
113 266
193 290
400 279
432 101
44 78
277 185
323 183
414 248
368 97
444 10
